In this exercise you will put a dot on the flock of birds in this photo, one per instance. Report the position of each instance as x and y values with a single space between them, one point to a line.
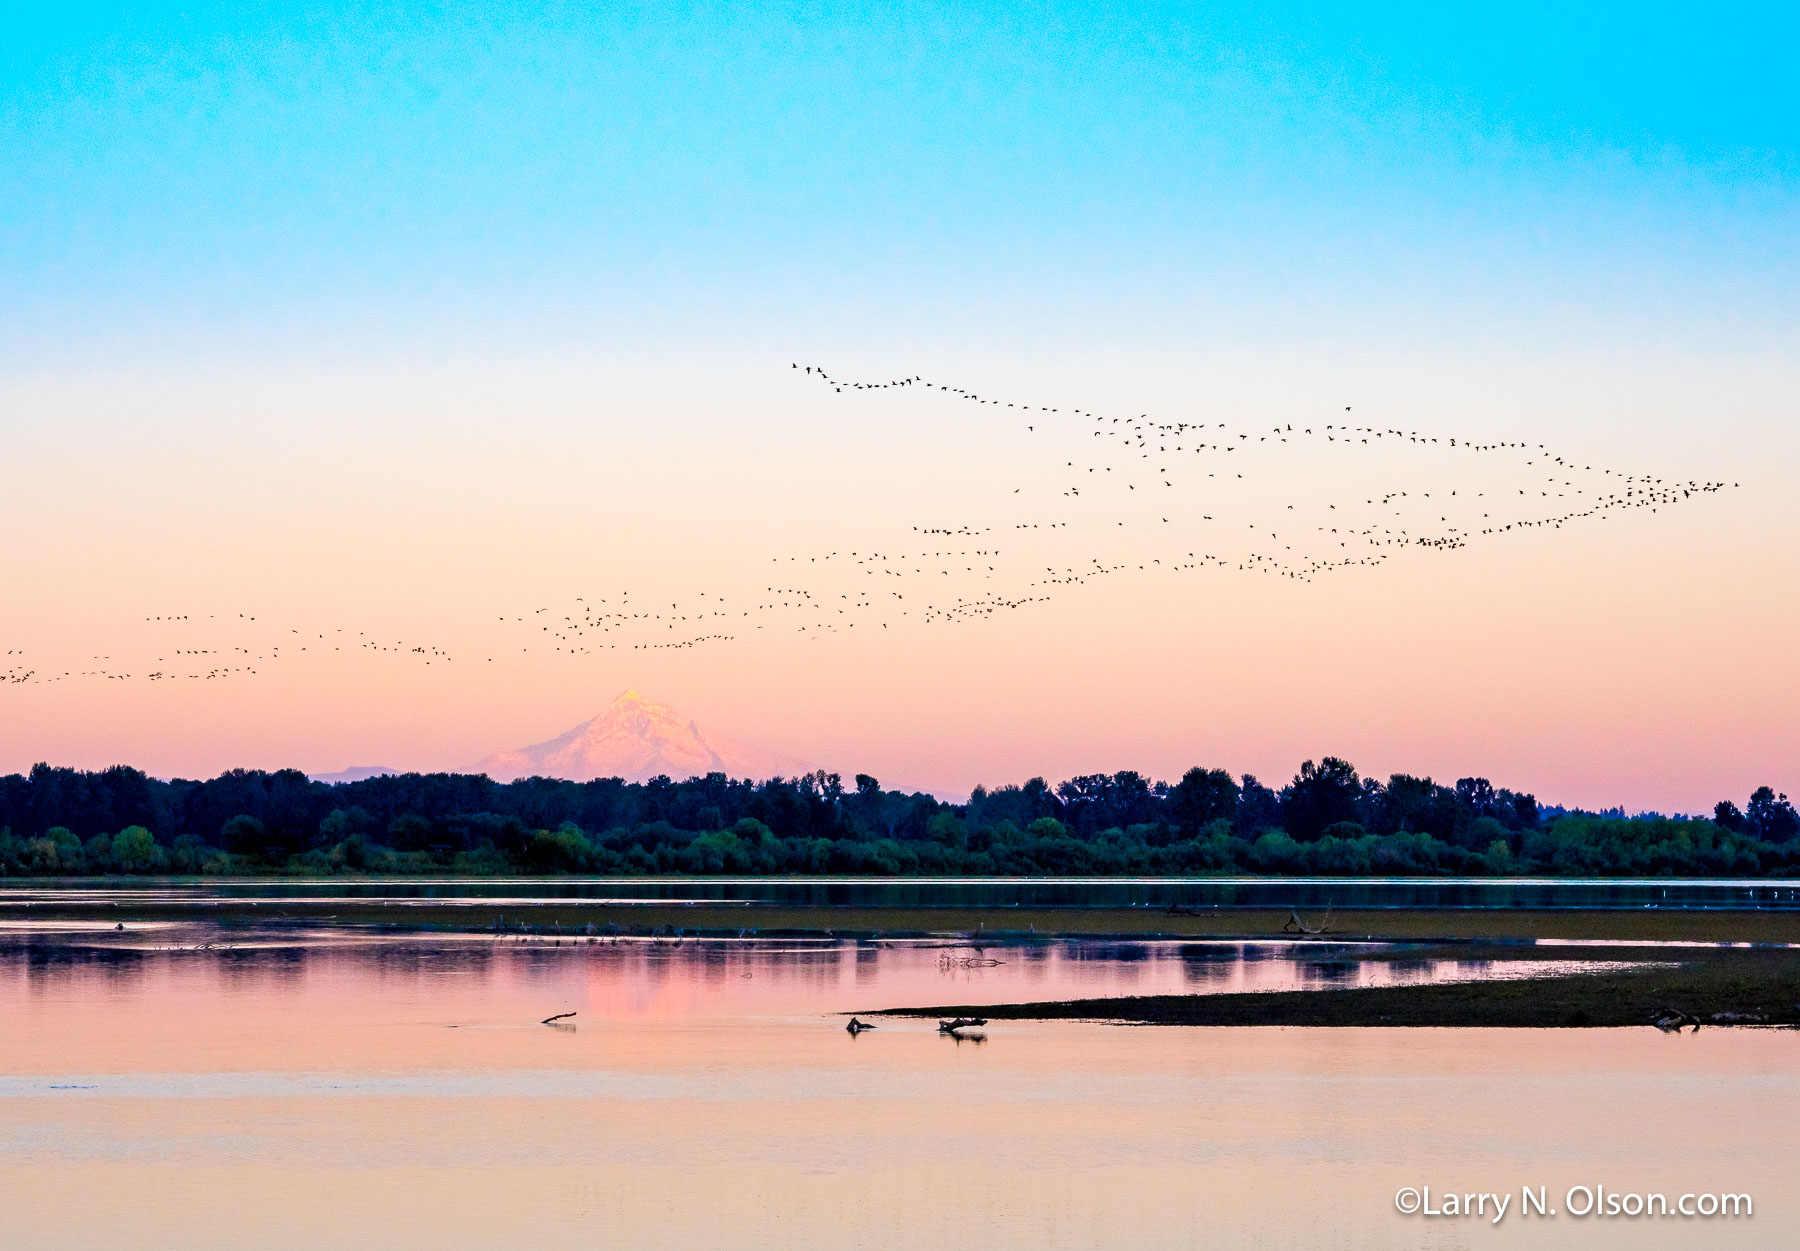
1116 468
216 663
1142 495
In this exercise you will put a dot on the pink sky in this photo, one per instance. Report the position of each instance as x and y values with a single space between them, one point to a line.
1644 660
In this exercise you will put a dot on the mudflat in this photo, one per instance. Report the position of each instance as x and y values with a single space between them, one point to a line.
1681 989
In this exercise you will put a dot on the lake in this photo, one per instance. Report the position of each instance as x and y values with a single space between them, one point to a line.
192 1085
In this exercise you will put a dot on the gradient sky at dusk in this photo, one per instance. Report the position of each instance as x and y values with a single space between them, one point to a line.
403 319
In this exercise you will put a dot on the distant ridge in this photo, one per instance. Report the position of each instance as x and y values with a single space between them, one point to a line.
356 773
638 739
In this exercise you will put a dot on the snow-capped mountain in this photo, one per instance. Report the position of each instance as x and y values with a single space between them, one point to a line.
638 739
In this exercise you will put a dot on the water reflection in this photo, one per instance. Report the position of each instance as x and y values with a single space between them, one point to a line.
302 1087
159 971
1315 973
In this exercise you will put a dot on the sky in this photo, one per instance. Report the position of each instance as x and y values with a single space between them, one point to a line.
409 321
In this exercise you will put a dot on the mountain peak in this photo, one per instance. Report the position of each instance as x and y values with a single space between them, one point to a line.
637 739
356 773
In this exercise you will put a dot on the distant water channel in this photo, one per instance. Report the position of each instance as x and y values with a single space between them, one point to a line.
1227 892
186 1084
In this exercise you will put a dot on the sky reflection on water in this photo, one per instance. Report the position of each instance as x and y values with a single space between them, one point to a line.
161 975
313 1088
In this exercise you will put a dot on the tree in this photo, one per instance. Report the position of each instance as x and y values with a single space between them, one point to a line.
59 821
828 786
244 835
566 848
1418 805
187 854
1769 817
1202 797
1525 811
134 848
1259 808
1477 797
947 828
410 832
1320 795
1102 801
341 823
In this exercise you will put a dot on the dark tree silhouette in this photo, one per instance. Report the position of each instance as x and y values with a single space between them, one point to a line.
1320 795
1202 797
1769 817
1328 820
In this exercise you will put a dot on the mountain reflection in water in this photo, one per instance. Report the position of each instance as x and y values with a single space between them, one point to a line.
197 1087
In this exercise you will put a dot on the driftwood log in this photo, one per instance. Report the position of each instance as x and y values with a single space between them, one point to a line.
560 1016
1294 925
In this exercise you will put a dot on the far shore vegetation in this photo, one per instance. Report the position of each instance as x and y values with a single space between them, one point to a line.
1326 821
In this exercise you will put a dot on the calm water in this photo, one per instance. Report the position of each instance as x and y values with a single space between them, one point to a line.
839 891
193 1087
1227 892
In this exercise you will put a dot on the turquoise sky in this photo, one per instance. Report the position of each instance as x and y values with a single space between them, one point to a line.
178 173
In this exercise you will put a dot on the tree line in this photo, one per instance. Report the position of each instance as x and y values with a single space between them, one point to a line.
1326 820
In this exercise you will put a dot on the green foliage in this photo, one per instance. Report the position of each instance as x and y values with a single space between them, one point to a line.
135 849
357 851
41 856
409 831
1275 852
1327 821
187 854
562 850
947 828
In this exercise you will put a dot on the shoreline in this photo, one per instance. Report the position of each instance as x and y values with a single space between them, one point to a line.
1249 924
